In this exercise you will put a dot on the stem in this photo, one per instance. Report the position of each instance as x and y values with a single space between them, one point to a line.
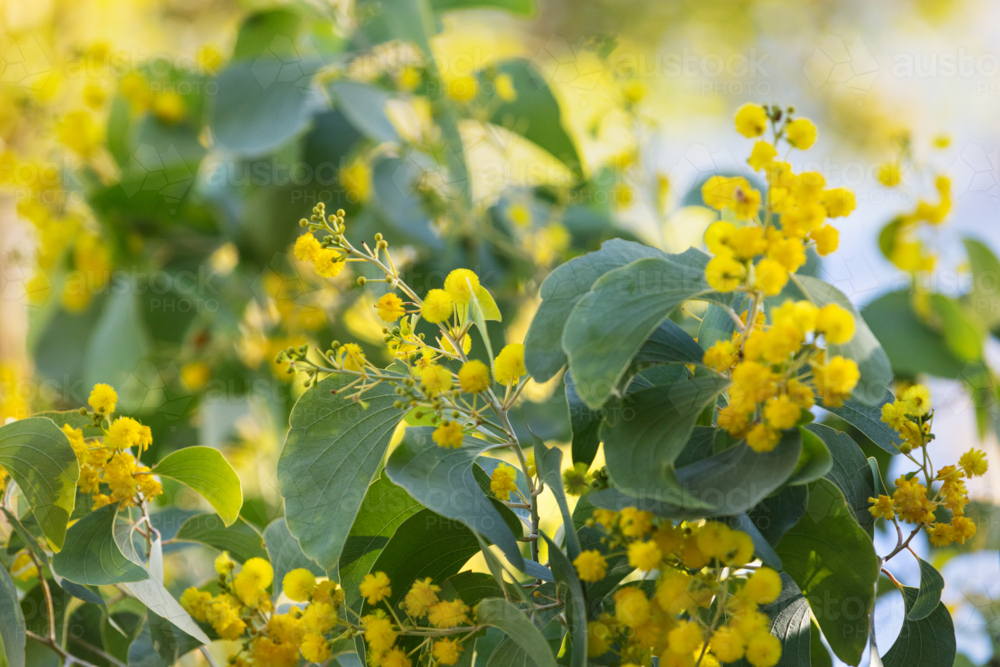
48 595
208 656
68 657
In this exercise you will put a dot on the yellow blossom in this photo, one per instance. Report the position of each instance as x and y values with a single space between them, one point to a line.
375 587
801 133
509 364
447 651
448 434
448 614
437 306
461 284
751 120
390 307
917 400
435 379
503 481
422 596
590 565
299 584
974 463
103 399
835 323
644 555
474 377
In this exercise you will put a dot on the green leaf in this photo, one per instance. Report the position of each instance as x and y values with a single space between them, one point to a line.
266 31
259 107
576 603
535 114
425 545
585 424
929 595
868 420
774 515
521 7
478 316
205 470
717 325
364 105
818 655
284 553
864 348
982 299
12 627
385 507
119 342
913 348
442 479
509 654
40 459
487 304
91 556
331 454
390 20
507 618
562 289
160 644
471 587
641 294
814 462
669 344
963 334
652 427
240 539
929 641
850 472
549 465
832 560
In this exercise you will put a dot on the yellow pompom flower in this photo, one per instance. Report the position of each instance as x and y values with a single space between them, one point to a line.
375 587
503 481
422 596
644 556
839 202
390 307
461 284
894 414
307 248
827 239
781 412
835 323
724 273
801 133
727 645
315 648
474 377
974 463
763 586
379 632
763 650
224 564
103 399
719 236
836 380
352 357
590 565
509 364
748 242
889 174
721 356
762 438
598 638
447 651
941 534
437 306
435 379
771 276
448 434
448 614
790 253
751 120
125 432
396 658
964 528
169 107
762 155
917 400
631 606
462 88
250 584
299 584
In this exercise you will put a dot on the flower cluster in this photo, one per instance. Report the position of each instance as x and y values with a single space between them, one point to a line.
760 243
242 611
108 469
703 608
912 418
779 368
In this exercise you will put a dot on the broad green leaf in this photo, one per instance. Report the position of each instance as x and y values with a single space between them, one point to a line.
442 479
12 627
488 304
364 105
425 545
584 423
928 641
562 289
509 654
984 298
669 344
774 515
261 105
390 20
284 553
471 587
266 31
868 420
850 472
864 348
240 539
92 556
963 334
160 644
535 114
717 324
576 603
331 454
789 616
119 342
478 316
522 7
814 462
507 618
699 446
548 462
912 347
205 470
649 431
38 456
929 595
887 236
641 295
73 418
818 655
832 560
726 484
385 507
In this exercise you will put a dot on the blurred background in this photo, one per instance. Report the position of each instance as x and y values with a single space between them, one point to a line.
156 156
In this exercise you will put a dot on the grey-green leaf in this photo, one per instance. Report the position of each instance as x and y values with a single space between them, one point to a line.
507 618
929 595
868 420
205 470
91 556
240 539
814 462
331 454
833 561
850 472
38 456
285 554
576 603
12 627
929 641
549 464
